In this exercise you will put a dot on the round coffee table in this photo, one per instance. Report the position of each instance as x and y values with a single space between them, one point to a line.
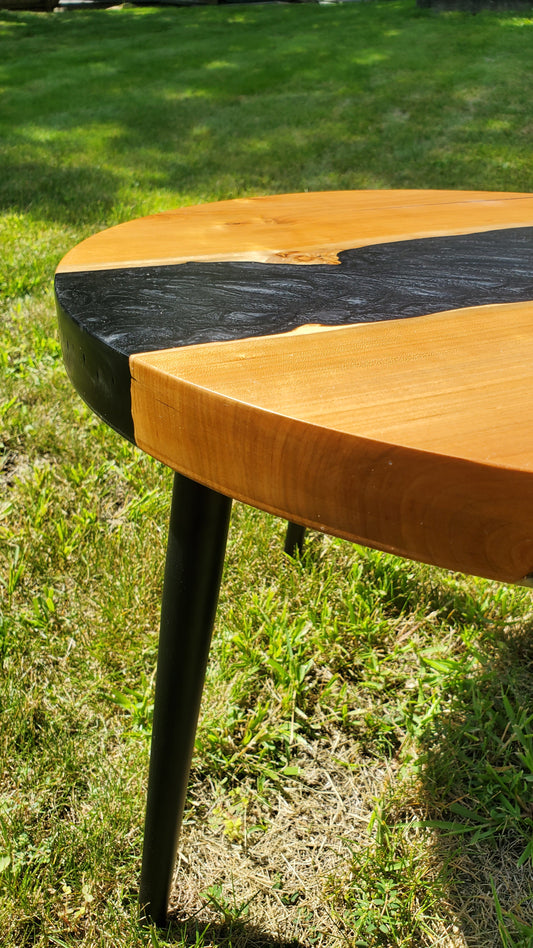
356 362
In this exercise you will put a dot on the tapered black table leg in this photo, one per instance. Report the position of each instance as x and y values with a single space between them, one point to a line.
294 538
199 521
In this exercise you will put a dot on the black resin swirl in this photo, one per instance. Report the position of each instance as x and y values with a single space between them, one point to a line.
108 315
147 308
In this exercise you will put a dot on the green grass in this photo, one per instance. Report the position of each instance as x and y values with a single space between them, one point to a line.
364 764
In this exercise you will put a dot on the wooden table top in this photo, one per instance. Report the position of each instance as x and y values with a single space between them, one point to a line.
359 362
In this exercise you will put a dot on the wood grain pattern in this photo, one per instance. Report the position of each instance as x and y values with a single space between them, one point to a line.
296 228
411 436
147 308
107 315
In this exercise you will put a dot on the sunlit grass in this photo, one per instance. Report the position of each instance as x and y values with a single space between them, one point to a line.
364 761
189 105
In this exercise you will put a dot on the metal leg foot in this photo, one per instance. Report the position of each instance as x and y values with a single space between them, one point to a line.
199 521
294 538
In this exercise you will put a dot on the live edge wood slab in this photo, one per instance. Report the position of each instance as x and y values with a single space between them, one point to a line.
357 362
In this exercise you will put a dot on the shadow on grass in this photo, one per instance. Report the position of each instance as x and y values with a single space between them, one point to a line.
206 100
456 819
239 934
476 769
47 190
105 108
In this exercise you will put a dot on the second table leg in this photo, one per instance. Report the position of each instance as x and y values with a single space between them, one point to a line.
294 539
198 529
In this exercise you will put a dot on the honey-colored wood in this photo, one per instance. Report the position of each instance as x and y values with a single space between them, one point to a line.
413 436
296 228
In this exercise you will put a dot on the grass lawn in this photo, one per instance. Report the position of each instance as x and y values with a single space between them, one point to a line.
364 764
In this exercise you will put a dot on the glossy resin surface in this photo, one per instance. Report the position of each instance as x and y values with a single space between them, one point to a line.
357 362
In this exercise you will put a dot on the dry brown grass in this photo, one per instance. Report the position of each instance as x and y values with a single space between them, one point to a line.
283 869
